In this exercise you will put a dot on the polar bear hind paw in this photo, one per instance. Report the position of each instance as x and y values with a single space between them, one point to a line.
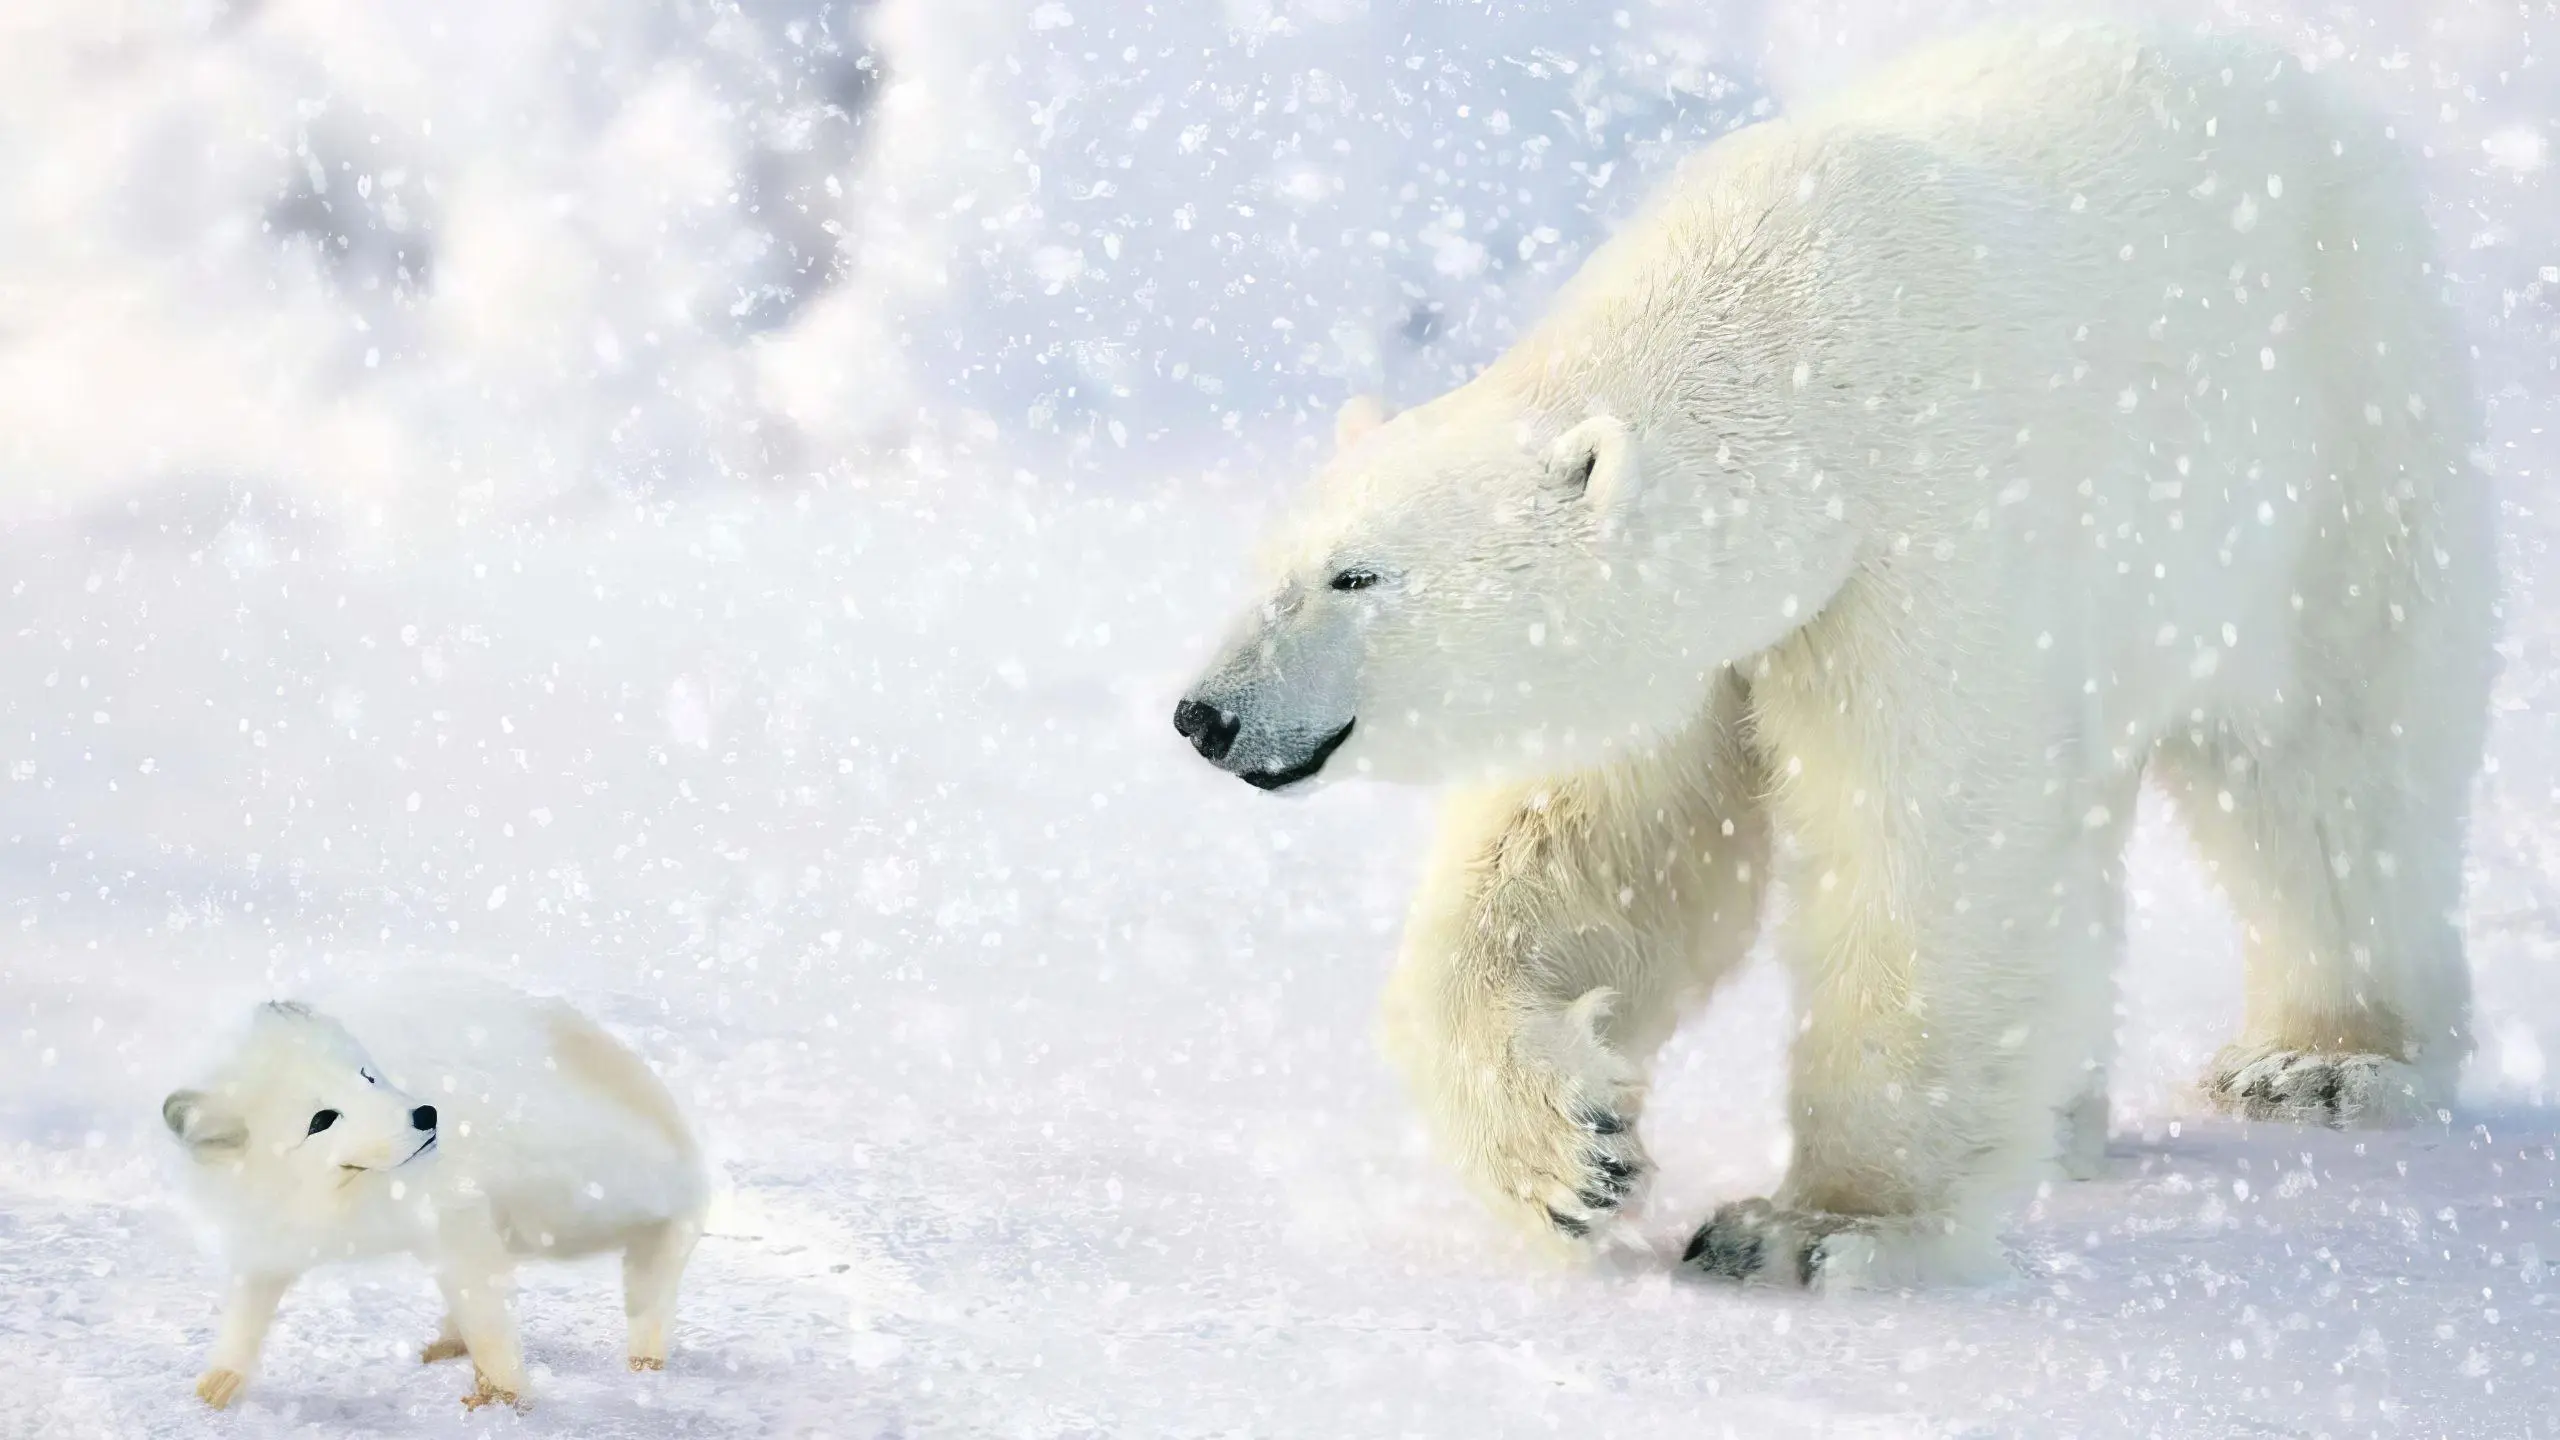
2304 1087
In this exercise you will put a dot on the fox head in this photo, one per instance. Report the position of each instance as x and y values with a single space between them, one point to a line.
298 1120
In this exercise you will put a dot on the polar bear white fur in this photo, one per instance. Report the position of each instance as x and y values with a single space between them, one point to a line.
1872 514
451 1118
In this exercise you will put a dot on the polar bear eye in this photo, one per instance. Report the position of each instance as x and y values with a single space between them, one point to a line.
1355 579
322 1120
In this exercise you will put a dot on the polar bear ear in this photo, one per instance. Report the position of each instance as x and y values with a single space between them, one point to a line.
1595 461
1358 416
281 1012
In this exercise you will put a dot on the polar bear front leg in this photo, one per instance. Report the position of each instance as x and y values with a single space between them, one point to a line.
1557 931
1951 936
1530 1101
1915 1102
1913 1110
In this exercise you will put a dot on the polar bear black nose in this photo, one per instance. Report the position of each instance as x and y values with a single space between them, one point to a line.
1210 730
423 1118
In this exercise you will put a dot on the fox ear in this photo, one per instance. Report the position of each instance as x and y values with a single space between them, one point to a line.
1358 416
200 1125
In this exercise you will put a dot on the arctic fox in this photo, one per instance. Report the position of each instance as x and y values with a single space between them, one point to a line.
460 1121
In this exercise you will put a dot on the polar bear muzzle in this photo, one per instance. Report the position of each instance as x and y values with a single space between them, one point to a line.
1212 730
1301 770
1281 696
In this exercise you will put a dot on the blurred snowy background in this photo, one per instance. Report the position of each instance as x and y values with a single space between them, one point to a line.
705 508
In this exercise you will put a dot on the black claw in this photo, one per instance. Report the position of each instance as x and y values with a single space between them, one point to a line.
2330 1084
1566 1223
1598 1199
1809 1262
1601 1122
1617 1178
1732 1252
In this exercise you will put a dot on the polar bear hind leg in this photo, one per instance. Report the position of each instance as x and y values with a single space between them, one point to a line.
2334 816
2341 853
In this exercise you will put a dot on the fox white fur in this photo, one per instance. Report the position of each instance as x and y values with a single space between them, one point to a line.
1872 514
545 1137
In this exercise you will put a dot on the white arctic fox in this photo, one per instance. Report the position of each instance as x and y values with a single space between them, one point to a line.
461 1121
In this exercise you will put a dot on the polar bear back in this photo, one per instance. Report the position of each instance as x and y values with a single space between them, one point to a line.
2089 315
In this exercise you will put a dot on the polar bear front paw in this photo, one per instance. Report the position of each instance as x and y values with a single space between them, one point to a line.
1756 1241
1552 1133
1569 1160
1753 1240
1605 1164
2306 1087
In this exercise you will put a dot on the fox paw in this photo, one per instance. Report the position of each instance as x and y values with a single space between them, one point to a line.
218 1387
2306 1087
488 1392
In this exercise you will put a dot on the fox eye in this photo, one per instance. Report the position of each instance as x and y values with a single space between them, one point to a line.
322 1120
1355 579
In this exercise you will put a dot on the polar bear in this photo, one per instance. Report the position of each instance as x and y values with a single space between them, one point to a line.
1870 516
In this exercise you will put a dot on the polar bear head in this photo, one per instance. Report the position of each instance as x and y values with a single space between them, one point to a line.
1482 587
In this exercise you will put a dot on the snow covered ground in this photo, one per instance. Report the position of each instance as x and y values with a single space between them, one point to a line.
1035 1055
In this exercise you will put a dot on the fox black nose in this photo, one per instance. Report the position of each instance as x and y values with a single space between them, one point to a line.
1210 730
423 1118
